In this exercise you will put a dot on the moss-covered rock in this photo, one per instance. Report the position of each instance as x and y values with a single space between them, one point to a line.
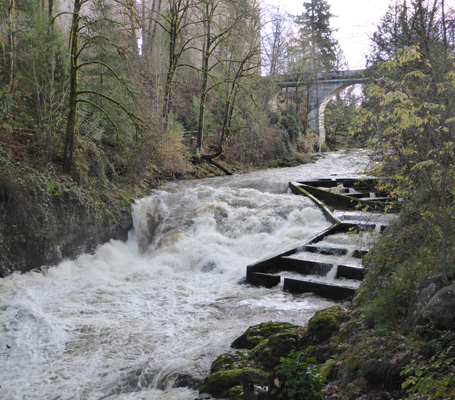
325 323
256 334
229 361
268 342
235 392
269 352
347 330
221 382
330 369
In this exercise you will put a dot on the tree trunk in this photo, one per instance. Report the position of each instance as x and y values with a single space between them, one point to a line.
205 79
173 60
11 42
50 11
72 103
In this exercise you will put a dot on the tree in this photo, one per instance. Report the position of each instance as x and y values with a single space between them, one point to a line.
175 22
313 50
415 121
339 114
84 35
11 15
315 31
275 42
221 63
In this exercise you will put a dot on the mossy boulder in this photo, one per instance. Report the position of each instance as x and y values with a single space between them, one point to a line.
220 383
256 334
269 352
262 346
325 323
330 369
228 361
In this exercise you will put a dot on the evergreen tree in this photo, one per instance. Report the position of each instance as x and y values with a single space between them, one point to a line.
315 36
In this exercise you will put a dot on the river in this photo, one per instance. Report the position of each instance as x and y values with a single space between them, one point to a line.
125 322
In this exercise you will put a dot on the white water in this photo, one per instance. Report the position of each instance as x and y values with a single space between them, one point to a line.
124 322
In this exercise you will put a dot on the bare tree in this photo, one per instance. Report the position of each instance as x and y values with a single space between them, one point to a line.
276 39
86 28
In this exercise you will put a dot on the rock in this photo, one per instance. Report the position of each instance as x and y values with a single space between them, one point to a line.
269 352
229 361
375 371
325 323
440 310
258 333
348 331
268 342
185 380
394 378
426 288
220 382
330 369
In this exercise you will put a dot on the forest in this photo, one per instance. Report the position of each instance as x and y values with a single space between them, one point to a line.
103 100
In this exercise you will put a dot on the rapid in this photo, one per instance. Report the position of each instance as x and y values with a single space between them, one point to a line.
137 319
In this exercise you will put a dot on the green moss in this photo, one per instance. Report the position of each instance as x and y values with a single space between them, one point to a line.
347 330
220 382
329 369
256 334
269 352
325 323
230 361
46 215
235 392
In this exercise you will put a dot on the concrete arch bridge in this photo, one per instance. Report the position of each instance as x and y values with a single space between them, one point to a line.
318 91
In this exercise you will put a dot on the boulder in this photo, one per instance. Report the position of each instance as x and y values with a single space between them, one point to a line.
440 310
185 380
258 333
426 288
375 371
221 382
228 361
267 343
269 352
325 323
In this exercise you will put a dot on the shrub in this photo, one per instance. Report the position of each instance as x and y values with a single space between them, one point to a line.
300 378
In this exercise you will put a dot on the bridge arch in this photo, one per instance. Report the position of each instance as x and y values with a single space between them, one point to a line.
321 110
320 91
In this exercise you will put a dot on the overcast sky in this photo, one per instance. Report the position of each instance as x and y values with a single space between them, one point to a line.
355 20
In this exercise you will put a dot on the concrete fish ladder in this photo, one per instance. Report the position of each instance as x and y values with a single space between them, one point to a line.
336 278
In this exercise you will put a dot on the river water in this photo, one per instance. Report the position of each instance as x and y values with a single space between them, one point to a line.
127 321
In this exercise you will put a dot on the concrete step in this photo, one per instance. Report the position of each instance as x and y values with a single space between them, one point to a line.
326 290
350 272
331 251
